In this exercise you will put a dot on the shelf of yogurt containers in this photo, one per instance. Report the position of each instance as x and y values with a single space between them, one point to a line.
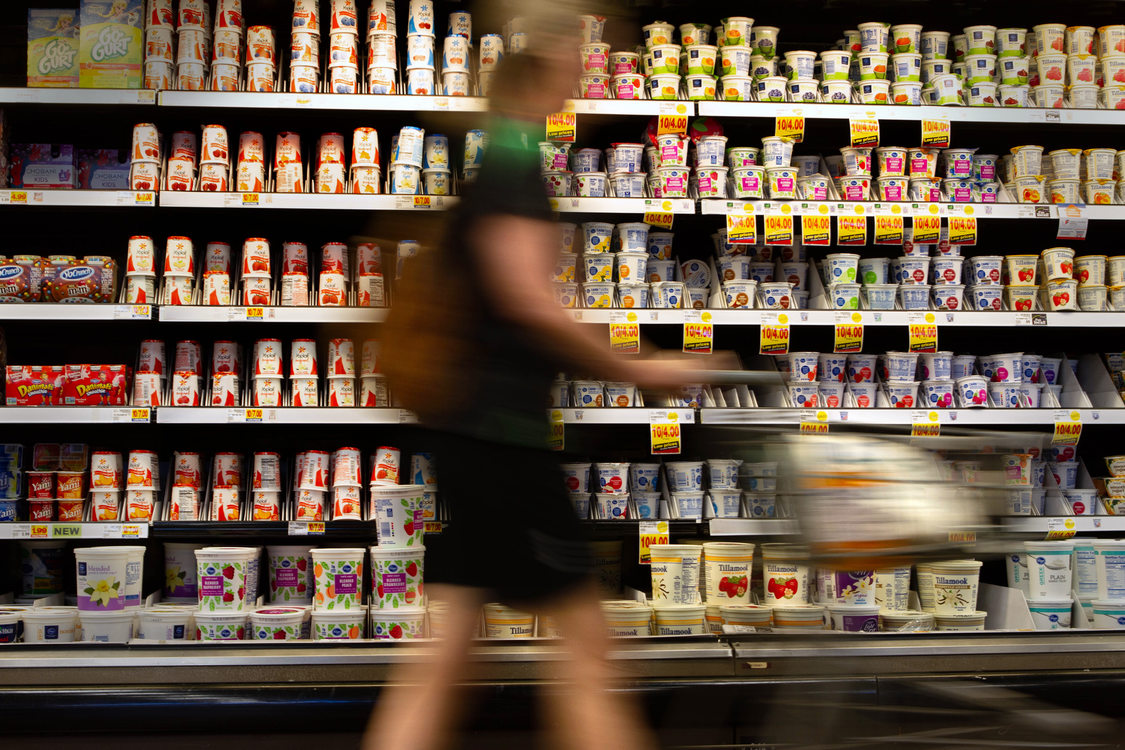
112 487
1051 65
264 285
629 265
948 388
185 52
230 593
916 175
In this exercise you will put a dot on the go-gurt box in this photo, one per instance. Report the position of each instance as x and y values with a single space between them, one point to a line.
52 48
111 47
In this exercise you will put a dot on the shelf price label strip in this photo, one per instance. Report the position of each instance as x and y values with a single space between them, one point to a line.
306 528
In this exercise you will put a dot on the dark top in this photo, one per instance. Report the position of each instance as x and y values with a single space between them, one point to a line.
506 387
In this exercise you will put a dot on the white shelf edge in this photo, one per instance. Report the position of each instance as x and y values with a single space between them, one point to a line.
874 318
309 201
640 107
752 526
104 198
59 311
996 115
952 418
625 415
723 206
287 415
623 205
74 415
63 530
212 314
1081 523
76 96
352 102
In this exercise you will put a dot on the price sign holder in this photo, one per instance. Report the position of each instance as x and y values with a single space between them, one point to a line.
888 229
664 433
816 229
936 132
814 422
923 332
561 127
742 226
1072 222
624 332
864 130
1061 528
651 532
1068 427
962 230
927 229
925 424
790 125
774 333
778 228
849 333
851 230
699 331
556 437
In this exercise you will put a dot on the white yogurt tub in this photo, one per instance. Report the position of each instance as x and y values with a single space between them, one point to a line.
49 624
166 624
963 621
107 627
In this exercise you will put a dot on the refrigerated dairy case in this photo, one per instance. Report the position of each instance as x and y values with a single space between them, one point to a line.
873 690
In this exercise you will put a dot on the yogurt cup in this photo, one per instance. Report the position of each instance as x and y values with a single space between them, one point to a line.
101 578
735 60
874 91
835 65
962 621
955 584
771 89
840 268
972 391
49 624
1049 569
934 45
107 626
786 578
220 626
854 618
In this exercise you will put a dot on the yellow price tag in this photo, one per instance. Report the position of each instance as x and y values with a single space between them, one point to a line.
888 230
925 424
779 229
556 435
651 532
962 230
699 332
849 333
659 219
672 124
816 230
814 423
624 332
1061 528
664 433
561 126
144 199
790 126
250 199
40 531
923 333
774 334
434 527
18 196
935 132
1068 427
255 313
742 227
253 415
927 229
864 131
422 201
140 415
851 230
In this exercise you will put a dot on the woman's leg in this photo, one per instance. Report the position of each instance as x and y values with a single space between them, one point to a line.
586 712
420 707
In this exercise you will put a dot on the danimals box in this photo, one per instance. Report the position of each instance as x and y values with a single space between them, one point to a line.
111 52
52 48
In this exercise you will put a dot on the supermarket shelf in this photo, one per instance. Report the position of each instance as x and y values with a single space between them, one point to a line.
623 205
260 529
1079 524
310 201
629 107
74 531
996 115
286 415
887 318
24 95
904 417
74 415
57 311
752 527
625 415
206 314
102 198
364 102
722 207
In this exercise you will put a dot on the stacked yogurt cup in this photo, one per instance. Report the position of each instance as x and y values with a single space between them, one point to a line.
1069 175
933 380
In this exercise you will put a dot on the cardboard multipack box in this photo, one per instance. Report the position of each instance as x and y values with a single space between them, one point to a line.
102 169
33 385
42 166
52 47
111 48
95 385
